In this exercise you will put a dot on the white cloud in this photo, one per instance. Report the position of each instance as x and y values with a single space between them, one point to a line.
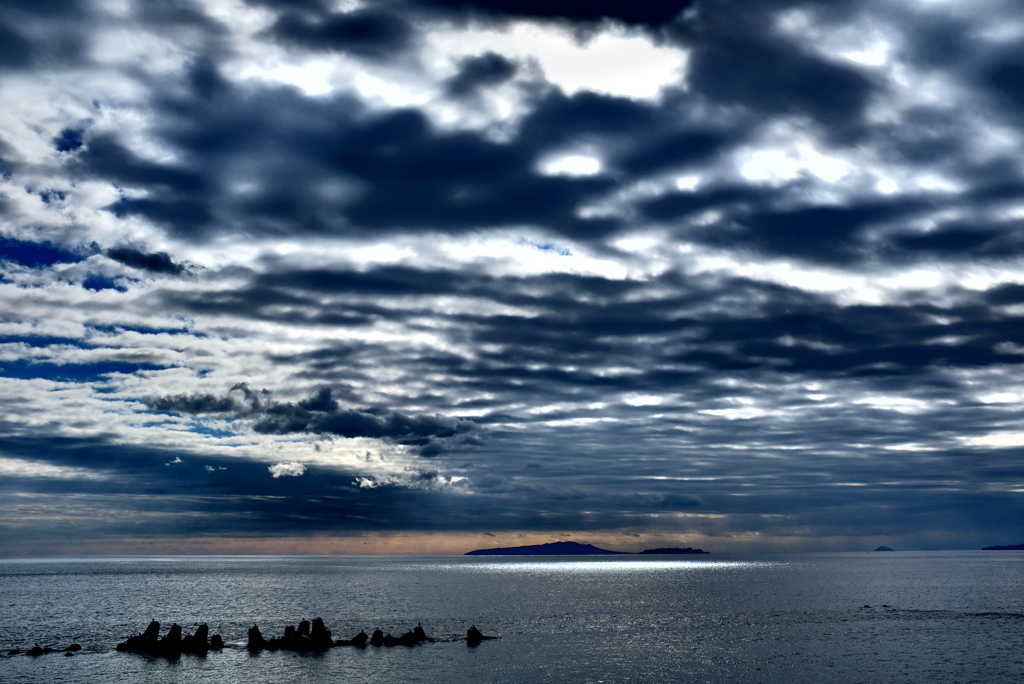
570 165
290 469
17 467
613 62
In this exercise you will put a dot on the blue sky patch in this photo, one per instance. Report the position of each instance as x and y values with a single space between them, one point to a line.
71 372
97 283
35 254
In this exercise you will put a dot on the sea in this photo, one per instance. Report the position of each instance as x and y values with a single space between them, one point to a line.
943 616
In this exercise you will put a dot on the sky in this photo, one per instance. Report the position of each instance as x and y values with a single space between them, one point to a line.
425 276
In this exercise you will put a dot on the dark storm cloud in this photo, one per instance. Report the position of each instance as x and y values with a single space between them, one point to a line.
321 414
194 404
1005 75
365 32
653 12
157 262
735 60
407 174
478 72
15 49
457 181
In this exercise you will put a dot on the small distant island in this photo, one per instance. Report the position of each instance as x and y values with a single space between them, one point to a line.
1012 547
570 548
883 548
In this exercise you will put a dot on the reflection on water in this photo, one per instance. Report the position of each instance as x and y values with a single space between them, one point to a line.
594 566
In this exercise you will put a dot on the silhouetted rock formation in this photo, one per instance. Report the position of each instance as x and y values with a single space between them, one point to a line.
256 640
307 637
198 642
320 635
35 651
172 644
377 639
420 634
147 642
74 647
358 640
474 636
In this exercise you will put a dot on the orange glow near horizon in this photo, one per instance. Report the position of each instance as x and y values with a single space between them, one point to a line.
423 544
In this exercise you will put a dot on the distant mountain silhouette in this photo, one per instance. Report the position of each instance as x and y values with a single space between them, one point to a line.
560 548
1012 547
569 548
883 548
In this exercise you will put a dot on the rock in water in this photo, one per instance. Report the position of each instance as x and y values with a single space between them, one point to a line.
216 643
474 636
320 635
152 632
171 643
197 643
147 642
377 639
256 640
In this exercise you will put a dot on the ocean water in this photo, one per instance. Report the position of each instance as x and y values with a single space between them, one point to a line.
951 617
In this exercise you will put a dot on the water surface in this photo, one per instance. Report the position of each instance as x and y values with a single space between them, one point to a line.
950 617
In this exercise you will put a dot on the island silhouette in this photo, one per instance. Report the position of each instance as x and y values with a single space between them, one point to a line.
1011 547
571 548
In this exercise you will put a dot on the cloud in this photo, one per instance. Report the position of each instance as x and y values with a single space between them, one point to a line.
485 70
654 12
291 469
322 414
365 32
743 270
159 262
